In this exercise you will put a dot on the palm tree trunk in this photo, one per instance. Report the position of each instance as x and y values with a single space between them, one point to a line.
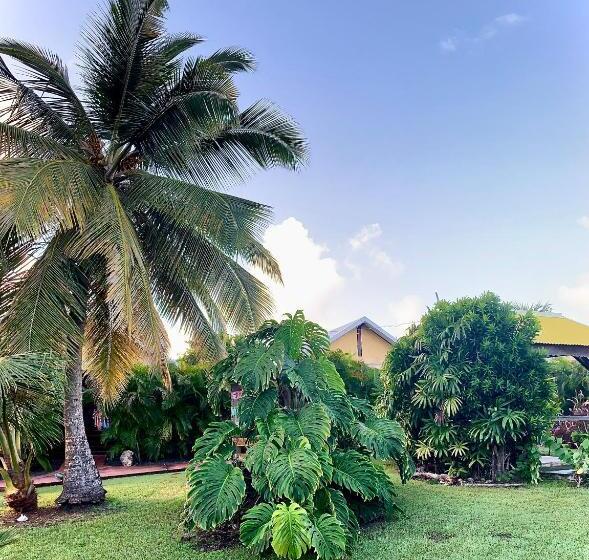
81 479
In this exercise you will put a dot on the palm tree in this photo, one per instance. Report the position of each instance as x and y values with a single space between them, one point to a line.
31 396
114 197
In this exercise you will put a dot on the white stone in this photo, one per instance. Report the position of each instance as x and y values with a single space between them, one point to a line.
127 458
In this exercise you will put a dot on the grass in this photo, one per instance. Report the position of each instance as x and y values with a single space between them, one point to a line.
455 523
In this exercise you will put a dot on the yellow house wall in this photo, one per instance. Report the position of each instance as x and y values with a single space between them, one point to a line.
374 348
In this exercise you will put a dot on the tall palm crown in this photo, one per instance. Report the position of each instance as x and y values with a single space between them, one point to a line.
113 194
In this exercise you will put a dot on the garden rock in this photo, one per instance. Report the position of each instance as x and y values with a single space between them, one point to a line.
127 458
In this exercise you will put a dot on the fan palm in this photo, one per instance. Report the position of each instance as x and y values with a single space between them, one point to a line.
114 198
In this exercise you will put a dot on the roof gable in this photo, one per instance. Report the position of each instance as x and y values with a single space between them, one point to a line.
362 321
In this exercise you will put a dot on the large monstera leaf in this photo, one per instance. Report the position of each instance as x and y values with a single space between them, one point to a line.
253 406
303 377
216 490
311 422
294 473
384 438
291 527
385 490
354 472
255 531
291 333
344 514
331 376
216 440
259 365
328 537
339 410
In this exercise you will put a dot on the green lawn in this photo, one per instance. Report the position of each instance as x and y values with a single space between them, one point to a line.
548 522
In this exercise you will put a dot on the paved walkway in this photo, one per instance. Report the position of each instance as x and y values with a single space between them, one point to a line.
115 472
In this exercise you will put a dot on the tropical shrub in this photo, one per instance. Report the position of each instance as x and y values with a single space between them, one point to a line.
575 453
360 379
311 473
155 422
31 400
470 388
571 379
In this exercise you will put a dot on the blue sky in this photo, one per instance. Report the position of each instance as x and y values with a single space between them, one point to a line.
449 144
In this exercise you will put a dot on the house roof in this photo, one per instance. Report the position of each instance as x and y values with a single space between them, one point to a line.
557 329
362 321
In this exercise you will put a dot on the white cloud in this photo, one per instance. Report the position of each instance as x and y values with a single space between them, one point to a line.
577 295
384 261
510 19
310 277
366 234
583 221
449 44
486 33
404 312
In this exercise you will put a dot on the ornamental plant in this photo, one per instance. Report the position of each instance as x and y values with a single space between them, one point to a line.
575 453
312 472
470 388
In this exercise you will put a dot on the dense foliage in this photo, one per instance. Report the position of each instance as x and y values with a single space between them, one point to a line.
156 423
309 476
360 379
471 390
113 190
571 378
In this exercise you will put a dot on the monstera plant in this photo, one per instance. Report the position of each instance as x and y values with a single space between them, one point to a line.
312 472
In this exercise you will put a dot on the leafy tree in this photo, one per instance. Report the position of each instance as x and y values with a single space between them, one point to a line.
361 380
470 388
112 193
310 466
31 395
156 423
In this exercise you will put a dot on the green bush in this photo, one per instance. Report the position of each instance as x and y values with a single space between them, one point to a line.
311 472
571 378
575 453
156 423
361 380
472 391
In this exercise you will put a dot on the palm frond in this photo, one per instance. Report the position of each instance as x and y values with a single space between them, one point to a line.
39 195
111 234
49 304
47 74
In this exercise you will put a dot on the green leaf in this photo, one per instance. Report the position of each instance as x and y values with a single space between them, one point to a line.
328 537
257 405
294 473
310 421
215 491
344 514
215 439
255 531
354 472
290 531
259 365
332 378
339 410
292 334
384 438
385 490
304 378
